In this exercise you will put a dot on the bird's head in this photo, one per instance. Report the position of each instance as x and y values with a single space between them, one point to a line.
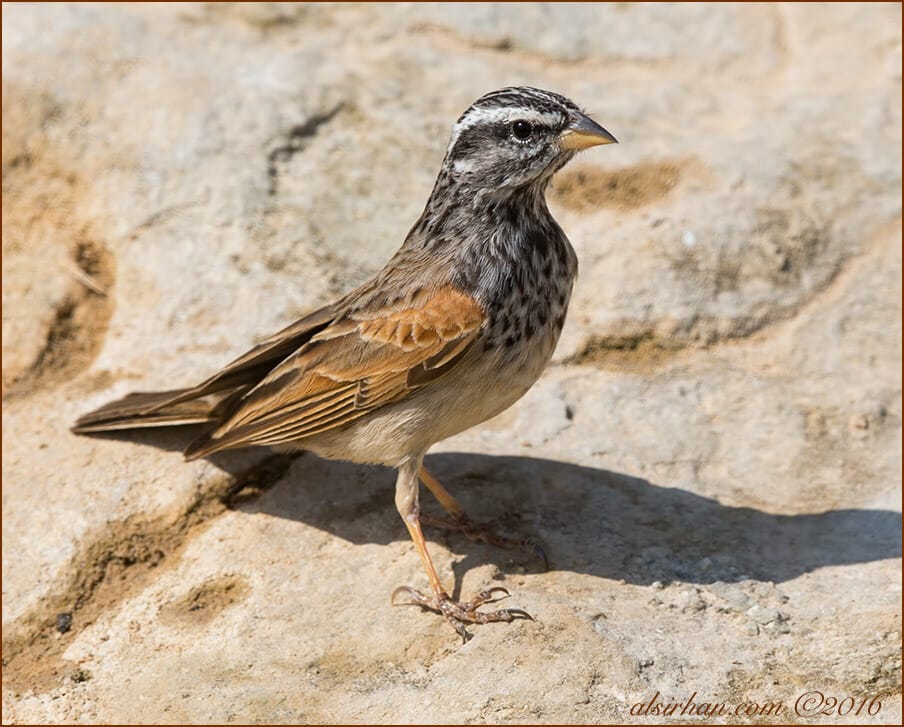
518 136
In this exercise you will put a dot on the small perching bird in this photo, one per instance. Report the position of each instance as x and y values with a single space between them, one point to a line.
453 330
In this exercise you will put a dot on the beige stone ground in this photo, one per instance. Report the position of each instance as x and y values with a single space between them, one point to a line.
713 461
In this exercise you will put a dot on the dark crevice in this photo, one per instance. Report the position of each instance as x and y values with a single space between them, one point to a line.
295 141
79 324
61 334
640 352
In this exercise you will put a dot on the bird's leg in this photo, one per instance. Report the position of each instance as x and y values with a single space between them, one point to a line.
458 613
442 495
460 522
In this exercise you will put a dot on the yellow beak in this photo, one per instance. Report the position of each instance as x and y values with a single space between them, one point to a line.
583 132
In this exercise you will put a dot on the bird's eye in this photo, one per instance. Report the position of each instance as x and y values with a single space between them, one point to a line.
522 130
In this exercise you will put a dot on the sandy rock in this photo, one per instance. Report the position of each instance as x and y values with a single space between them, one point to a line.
712 463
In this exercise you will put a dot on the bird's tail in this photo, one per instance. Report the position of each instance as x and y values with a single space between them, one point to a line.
150 409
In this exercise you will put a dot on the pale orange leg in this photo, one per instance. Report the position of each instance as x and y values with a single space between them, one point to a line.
458 613
460 522
443 496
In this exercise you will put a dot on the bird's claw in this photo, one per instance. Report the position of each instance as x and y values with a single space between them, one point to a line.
459 613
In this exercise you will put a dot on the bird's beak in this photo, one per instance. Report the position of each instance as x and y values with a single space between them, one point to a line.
584 132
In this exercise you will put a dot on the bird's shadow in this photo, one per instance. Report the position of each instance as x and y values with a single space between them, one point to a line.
589 520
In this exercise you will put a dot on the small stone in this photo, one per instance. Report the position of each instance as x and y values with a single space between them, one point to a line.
689 601
777 627
763 615
80 675
733 596
63 622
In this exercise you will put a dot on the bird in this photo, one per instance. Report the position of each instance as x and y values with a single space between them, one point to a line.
453 330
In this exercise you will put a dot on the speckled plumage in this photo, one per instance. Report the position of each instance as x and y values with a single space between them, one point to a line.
454 329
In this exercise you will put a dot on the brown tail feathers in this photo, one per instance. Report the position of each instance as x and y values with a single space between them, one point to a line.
147 409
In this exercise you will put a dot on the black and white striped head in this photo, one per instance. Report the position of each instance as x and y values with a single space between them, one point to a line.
518 136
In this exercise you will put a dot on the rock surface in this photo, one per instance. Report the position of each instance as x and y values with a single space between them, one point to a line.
713 461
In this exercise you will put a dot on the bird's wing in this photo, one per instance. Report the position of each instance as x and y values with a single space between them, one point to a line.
362 361
206 401
252 366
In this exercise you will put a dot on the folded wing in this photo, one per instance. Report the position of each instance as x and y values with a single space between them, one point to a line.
354 365
206 401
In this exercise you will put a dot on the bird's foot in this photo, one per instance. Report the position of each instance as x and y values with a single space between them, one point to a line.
485 533
459 613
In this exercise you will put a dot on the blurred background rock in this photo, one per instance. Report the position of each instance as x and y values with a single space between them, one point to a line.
714 459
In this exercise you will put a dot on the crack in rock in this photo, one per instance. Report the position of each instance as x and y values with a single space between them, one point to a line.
296 140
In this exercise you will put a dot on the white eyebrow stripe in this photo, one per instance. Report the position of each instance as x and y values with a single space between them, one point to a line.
497 114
